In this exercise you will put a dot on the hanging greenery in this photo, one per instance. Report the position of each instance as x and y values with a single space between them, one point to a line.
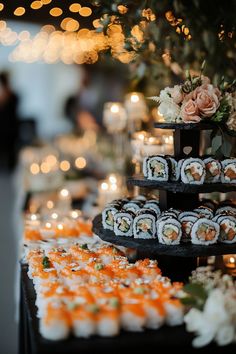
160 39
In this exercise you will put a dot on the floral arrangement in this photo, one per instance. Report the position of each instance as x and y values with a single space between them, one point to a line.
211 297
198 100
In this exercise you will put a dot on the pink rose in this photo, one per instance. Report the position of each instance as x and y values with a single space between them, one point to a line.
205 80
207 99
190 112
177 94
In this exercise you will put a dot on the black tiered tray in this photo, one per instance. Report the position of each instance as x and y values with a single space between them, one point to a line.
185 126
153 247
179 187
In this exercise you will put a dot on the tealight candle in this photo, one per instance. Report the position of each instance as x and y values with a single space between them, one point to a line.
136 108
47 230
230 261
114 117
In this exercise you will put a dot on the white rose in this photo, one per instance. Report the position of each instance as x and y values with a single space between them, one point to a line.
194 320
214 308
169 110
165 95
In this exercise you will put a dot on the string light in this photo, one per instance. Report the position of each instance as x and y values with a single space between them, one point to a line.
65 165
85 11
19 11
80 162
56 12
35 5
75 7
34 168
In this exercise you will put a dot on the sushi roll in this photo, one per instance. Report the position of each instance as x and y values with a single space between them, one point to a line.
193 171
123 223
133 206
145 166
133 316
227 229
213 170
157 169
205 232
108 319
141 198
108 216
187 224
153 205
183 214
155 313
174 170
55 324
226 210
169 231
171 212
204 212
228 171
144 225
84 320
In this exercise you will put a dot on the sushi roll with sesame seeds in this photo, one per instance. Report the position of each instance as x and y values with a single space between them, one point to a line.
193 171
187 224
153 205
123 223
204 212
157 169
108 216
169 231
205 232
144 225
174 170
133 206
228 171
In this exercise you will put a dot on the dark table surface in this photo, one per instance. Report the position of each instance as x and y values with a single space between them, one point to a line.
150 341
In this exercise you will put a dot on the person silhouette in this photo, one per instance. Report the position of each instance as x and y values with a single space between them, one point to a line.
9 127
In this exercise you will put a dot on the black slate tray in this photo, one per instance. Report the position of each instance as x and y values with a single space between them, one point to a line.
153 247
149 341
185 126
179 187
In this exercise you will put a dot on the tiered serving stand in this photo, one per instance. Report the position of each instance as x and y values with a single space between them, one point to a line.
177 261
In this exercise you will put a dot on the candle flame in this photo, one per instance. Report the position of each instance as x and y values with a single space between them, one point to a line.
231 260
104 186
114 108
134 98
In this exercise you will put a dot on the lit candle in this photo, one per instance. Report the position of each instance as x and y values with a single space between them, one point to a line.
114 117
64 200
136 108
151 146
230 261
108 190
47 230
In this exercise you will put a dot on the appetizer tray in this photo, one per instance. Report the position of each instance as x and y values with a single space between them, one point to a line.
31 341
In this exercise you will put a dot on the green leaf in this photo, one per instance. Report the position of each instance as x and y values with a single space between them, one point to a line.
226 147
195 290
46 262
216 143
189 301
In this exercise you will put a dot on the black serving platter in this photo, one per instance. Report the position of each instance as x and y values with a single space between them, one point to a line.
149 341
179 187
153 247
185 126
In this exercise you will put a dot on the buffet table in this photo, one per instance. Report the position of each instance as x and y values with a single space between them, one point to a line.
152 341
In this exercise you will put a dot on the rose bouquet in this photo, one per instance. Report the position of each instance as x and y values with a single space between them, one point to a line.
198 100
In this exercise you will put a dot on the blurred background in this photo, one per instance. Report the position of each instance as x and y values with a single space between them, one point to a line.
74 118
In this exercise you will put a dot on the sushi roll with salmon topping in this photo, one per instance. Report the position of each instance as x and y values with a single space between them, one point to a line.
205 232
56 322
193 171
84 320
